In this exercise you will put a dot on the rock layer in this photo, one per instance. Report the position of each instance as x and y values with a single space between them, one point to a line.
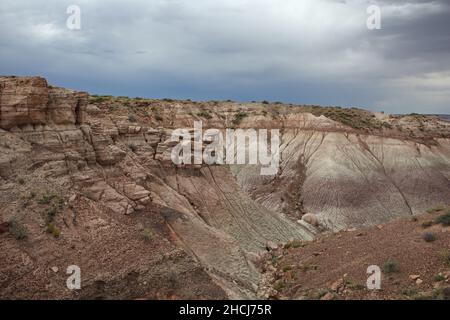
92 182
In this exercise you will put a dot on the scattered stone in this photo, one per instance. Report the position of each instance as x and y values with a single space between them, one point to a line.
414 277
310 219
419 281
271 246
54 269
337 285
327 297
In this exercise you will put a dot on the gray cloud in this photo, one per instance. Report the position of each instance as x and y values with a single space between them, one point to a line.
310 51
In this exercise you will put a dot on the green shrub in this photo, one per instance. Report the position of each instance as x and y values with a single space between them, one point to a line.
204 114
17 230
47 198
265 102
279 285
445 257
436 209
50 214
53 230
147 235
438 278
238 117
444 219
287 268
390 266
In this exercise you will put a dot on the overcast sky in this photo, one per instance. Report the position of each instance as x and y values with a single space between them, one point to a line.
299 51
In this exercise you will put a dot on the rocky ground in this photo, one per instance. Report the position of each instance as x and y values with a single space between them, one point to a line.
88 181
413 254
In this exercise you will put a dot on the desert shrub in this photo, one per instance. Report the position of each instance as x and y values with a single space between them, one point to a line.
132 147
444 219
158 117
17 230
287 268
438 278
132 118
427 224
390 266
441 293
47 198
238 117
429 237
204 114
279 285
50 214
53 230
444 255
436 209
147 234
410 292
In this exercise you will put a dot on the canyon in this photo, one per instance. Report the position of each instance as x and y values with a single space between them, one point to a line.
88 180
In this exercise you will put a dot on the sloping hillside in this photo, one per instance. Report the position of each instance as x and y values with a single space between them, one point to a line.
88 180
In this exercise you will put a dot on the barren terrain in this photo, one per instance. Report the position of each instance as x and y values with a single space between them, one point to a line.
88 181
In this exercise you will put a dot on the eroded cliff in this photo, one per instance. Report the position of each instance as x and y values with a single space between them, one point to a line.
88 181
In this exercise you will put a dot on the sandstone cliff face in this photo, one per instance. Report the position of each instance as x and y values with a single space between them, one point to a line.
92 182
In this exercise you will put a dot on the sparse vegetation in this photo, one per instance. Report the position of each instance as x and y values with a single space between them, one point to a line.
438 278
444 255
132 118
17 230
53 230
390 267
238 117
429 237
46 198
204 114
294 244
147 234
436 209
444 219
132 147
427 224
279 285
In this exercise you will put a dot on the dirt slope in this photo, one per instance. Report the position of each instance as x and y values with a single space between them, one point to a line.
413 254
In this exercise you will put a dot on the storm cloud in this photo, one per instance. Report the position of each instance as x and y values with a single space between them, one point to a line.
309 51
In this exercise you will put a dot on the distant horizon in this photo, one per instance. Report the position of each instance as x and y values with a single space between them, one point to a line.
223 100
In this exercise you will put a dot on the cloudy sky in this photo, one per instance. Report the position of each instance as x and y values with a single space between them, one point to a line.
299 51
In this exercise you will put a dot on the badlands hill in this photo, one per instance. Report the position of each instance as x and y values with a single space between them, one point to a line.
88 181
